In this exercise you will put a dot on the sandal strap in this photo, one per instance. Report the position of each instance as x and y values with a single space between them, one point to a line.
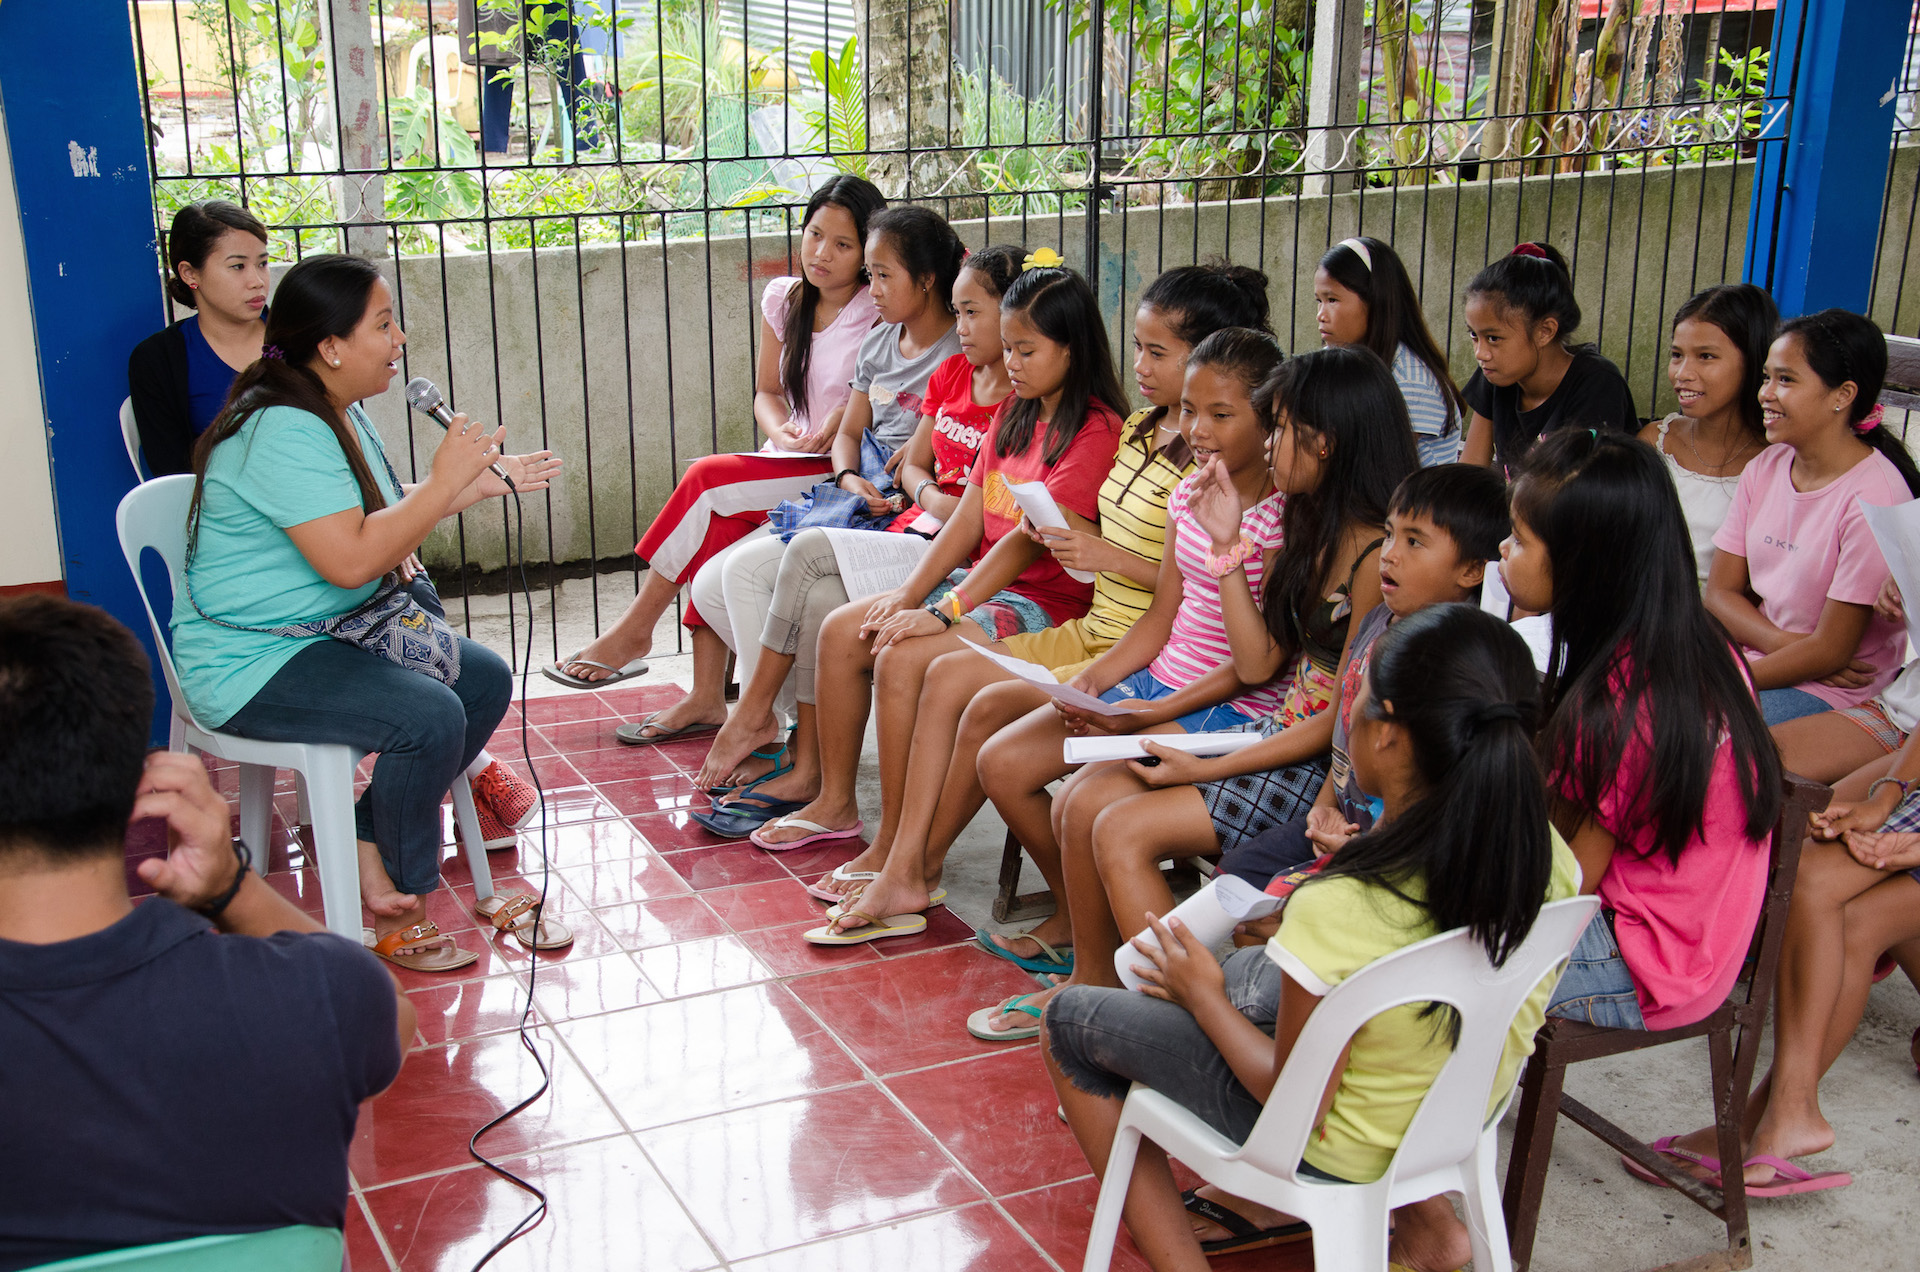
1053 955
871 921
517 912
419 934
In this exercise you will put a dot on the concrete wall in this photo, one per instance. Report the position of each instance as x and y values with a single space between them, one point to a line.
654 345
28 530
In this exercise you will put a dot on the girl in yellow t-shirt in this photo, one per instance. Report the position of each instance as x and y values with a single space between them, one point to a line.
1441 737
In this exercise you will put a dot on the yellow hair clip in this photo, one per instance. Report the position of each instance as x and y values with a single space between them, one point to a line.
1045 258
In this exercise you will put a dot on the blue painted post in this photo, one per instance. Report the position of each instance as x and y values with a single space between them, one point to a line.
86 210
1822 165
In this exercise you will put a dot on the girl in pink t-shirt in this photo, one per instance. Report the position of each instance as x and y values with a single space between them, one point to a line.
1796 538
1666 782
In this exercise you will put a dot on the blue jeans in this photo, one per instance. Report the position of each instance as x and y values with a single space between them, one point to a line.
426 734
1596 987
1777 706
1144 686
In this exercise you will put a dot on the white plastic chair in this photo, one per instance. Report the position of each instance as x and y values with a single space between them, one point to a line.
154 515
1450 1146
130 434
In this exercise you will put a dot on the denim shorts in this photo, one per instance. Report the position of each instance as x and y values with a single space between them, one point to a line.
1777 706
1144 686
1105 1040
1596 987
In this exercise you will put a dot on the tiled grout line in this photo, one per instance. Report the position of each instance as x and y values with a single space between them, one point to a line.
356 1198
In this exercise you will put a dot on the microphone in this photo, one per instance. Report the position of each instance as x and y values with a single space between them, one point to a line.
424 396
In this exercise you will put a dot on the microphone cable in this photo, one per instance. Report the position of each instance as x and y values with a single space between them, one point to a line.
533 1218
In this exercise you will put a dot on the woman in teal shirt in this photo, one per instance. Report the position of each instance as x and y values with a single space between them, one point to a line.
297 516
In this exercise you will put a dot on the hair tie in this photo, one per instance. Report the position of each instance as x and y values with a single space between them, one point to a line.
1359 249
1871 420
272 351
1532 249
1045 258
1495 713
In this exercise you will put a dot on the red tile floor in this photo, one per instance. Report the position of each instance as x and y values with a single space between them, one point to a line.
723 1094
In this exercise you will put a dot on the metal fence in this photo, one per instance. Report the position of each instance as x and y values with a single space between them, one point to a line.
594 282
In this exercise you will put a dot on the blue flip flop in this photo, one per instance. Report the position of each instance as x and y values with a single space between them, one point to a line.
782 765
733 821
1057 962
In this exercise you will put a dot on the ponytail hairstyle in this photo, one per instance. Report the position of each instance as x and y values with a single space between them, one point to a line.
1843 347
1533 280
196 228
997 265
1060 305
321 296
1195 301
1746 315
861 200
1474 849
1635 657
1370 270
1347 396
925 244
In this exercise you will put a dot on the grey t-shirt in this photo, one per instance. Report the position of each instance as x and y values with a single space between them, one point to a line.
894 384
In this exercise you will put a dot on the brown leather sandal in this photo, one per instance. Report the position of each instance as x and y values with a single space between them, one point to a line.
420 948
520 918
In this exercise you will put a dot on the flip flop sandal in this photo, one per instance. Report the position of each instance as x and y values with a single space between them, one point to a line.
635 734
876 929
420 948
1790 1180
1053 960
978 1024
1666 1148
1245 1235
519 917
728 824
782 765
842 875
816 833
555 671
834 911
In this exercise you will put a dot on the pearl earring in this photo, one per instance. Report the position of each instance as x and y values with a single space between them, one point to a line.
336 362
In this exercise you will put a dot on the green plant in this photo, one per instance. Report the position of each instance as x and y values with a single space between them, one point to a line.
838 124
269 55
1008 133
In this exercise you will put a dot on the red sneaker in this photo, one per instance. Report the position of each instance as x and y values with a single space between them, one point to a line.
513 801
494 833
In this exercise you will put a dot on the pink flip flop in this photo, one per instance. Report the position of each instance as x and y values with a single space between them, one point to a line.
819 833
1665 1147
843 875
1790 1180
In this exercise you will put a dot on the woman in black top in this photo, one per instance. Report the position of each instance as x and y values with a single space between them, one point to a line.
1521 316
178 378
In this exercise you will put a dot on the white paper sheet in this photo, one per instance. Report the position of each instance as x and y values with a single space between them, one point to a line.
1493 593
872 561
1210 914
1897 531
1094 750
1040 678
1037 502
1537 631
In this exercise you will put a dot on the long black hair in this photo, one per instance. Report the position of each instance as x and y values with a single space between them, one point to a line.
861 200
1061 307
195 229
1474 849
998 265
1347 396
925 244
321 296
1634 651
1195 301
1841 346
1533 280
1746 315
1393 312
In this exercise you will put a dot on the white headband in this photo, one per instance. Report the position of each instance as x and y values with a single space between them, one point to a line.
1359 249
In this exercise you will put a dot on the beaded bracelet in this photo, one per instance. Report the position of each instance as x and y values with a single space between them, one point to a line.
1221 566
1906 788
